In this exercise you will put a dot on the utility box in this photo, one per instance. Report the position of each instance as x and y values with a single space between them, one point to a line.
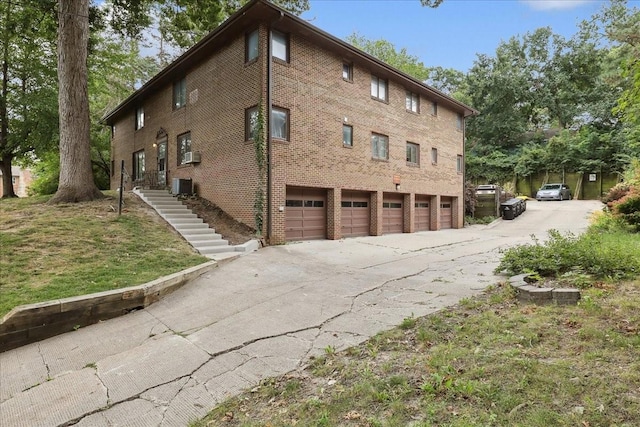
487 201
182 186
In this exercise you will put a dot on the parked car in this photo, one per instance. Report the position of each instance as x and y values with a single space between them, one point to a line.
554 192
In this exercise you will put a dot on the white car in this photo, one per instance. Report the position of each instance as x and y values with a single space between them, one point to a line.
554 192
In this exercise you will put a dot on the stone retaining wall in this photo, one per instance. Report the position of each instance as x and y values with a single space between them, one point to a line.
533 294
34 322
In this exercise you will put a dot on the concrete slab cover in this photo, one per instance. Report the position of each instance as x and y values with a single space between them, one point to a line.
262 314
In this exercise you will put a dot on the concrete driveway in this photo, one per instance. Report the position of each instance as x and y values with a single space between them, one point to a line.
261 315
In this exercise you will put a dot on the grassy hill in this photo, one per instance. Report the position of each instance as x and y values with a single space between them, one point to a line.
57 251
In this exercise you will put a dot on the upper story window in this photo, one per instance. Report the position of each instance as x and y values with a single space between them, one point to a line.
459 122
280 123
413 102
184 147
347 71
139 118
379 146
459 163
251 50
180 93
280 45
413 153
347 135
379 88
434 156
434 108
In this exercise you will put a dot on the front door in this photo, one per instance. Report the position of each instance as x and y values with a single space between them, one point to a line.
162 164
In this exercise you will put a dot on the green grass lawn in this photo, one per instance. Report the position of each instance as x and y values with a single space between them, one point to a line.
56 251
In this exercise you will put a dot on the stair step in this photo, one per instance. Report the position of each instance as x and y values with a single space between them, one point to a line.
191 226
173 210
215 250
169 217
209 244
192 231
204 239
200 237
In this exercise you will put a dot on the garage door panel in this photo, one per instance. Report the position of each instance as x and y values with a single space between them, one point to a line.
422 213
392 214
446 212
355 214
306 215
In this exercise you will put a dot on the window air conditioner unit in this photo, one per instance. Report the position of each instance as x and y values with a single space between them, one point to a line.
192 157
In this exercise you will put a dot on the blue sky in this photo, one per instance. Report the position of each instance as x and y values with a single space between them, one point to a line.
452 34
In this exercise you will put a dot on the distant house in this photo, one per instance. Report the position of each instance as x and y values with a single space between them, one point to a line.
351 146
20 178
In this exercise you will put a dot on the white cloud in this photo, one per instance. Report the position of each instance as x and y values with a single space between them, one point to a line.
555 4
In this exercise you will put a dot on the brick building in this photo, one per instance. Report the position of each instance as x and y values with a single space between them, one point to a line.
353 146
20 179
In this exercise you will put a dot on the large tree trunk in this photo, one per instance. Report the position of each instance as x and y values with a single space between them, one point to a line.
5 157
7 183
76 177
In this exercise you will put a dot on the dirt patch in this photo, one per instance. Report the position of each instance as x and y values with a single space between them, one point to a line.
232 230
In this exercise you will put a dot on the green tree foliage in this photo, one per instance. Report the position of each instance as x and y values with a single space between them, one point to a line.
183 23
447 80
28 116
387 52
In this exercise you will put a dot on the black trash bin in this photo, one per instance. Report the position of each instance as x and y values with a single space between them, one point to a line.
510 209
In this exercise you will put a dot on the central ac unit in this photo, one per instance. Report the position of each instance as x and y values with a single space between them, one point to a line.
192 157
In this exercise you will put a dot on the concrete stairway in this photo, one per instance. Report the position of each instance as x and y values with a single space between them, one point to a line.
204 239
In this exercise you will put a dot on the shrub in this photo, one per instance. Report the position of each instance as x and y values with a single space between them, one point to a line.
628 208
616 193
611 254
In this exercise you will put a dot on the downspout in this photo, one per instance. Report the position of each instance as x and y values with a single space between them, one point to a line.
269 142
464 168
269 154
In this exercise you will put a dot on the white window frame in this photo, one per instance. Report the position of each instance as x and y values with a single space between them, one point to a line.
252 46
179 93
251 122
379 146
347 142
379 88
282 130
459 163
183 147
434 156
413 153
139 118
280 45
412 102
138 165
347 71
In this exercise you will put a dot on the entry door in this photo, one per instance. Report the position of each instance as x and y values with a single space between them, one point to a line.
162 163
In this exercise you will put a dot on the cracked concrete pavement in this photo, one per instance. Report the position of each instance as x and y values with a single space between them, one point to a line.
259 316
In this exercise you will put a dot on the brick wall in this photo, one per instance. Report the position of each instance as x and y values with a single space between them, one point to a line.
311 87
218 92
319 101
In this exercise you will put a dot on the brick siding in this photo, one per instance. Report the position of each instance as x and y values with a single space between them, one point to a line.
310 86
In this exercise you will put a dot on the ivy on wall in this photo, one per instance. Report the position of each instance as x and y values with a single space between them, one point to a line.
260 149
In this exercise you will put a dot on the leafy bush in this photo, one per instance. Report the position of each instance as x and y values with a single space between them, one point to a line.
603 255
470 198
628 208
616 193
